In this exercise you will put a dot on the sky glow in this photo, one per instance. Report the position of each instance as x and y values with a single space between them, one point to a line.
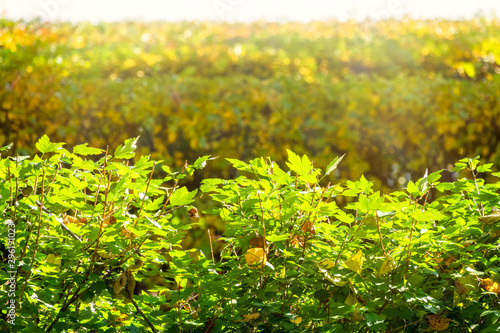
243 10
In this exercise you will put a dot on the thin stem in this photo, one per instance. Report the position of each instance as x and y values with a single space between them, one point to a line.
211 247
173 189
100 179
408 253
263 222
26 243
145 194
178 308
143 316
8 180
37 236
94 256
413 223
379 233
477 188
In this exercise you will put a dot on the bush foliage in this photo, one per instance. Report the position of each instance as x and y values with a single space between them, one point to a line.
399 96
298 253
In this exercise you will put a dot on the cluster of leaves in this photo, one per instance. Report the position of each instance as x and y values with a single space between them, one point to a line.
88 232
296 254
398 96
380 263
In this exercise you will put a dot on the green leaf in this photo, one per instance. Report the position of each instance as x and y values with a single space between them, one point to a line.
211 184
459 166
240 165
445 187
182 196
127 150
375 321
302 166
45 146
485 167
388 265
411 188
343 217
132 329
166 169
308 178
435 176
277 238
333 164
423 183
363 184
4 148
84 150
199 164
371 203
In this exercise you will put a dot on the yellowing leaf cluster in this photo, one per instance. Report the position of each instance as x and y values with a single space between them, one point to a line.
383 96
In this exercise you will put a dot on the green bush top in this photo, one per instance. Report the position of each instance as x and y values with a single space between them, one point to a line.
93 244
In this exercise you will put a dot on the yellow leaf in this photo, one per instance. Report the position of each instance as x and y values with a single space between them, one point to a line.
351 300
493 218
354 263
54 260
251 316
68 219
468 68
256 257
327 264
490 285
130 283
388 265
127 234
296 321
120 283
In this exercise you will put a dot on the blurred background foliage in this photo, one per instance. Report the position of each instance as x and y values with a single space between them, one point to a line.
396 96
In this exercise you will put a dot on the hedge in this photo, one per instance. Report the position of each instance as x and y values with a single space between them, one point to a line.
92 242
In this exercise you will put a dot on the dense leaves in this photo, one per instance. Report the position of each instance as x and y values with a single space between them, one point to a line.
87 235
296 254
398 96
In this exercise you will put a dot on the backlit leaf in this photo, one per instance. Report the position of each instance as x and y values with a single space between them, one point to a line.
355 262
182 196
127 150
84 150
333 164
388 265
45 146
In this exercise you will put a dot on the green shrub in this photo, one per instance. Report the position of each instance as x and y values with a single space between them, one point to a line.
296 254
87 231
